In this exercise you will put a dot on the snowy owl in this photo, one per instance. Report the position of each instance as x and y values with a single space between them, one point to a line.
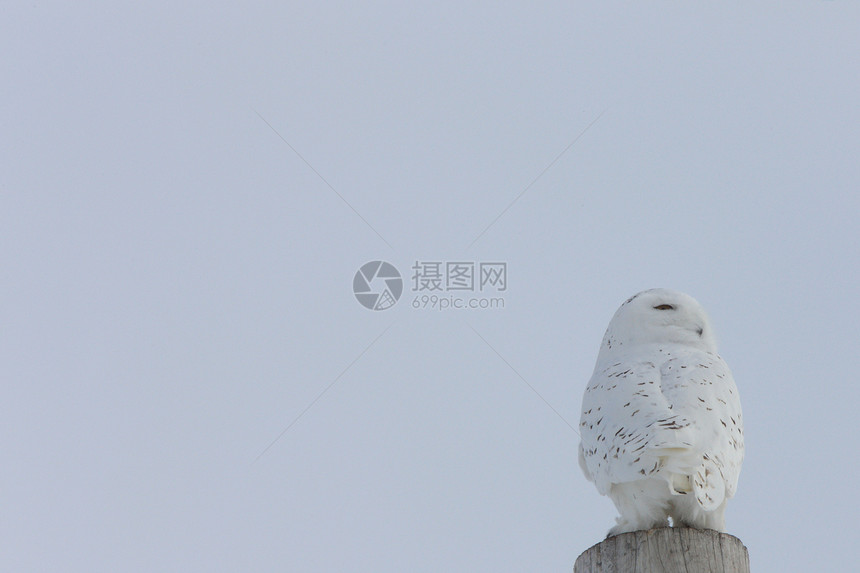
661 427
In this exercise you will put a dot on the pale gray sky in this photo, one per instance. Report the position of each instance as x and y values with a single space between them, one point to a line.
177 281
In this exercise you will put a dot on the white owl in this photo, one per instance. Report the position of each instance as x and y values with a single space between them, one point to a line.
661 427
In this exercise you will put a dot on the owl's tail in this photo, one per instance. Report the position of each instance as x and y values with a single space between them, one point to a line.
687 469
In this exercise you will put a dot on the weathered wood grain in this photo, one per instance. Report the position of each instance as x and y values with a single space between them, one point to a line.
666 550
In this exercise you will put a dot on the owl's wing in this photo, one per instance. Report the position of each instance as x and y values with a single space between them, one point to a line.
645 418
627 423
701 386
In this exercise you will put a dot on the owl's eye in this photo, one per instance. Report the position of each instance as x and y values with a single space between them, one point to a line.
664 307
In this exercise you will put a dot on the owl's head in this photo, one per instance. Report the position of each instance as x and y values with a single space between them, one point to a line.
658 316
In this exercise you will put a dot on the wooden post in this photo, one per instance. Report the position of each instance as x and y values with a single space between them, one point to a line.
666 550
